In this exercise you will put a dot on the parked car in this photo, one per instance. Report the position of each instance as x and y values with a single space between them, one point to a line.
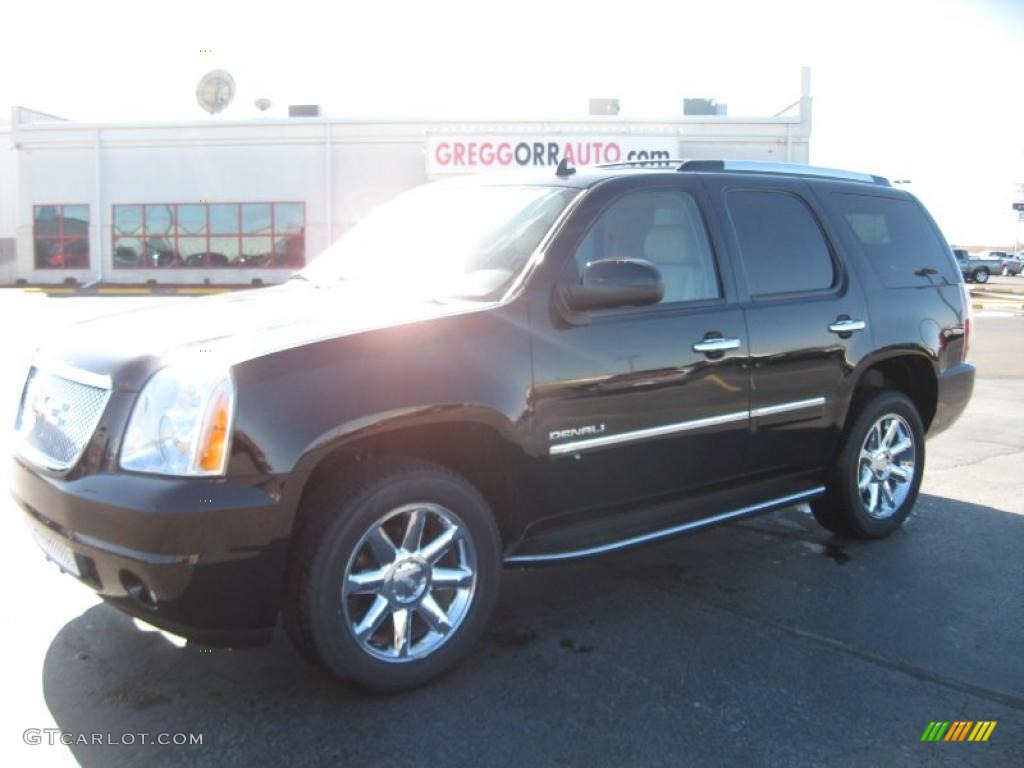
974 269
68 253
1012 265
496 371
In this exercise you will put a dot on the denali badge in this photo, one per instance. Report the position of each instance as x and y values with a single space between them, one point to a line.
563 434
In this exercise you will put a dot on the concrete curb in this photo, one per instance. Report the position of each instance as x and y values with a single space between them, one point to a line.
124 290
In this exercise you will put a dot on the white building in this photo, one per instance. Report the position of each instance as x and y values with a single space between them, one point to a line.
232 201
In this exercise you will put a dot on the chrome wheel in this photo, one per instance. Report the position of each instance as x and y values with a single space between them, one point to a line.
886 468
409 582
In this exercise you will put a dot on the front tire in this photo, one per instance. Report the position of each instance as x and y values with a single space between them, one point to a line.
876 477
395 574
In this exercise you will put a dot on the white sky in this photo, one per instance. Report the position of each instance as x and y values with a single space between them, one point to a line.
927 91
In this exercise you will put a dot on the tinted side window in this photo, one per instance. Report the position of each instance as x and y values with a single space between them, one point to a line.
663 227
781 244
897 238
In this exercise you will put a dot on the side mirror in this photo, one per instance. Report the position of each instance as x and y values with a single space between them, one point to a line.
613 283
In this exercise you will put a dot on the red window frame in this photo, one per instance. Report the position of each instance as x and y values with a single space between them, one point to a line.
175 235
62 239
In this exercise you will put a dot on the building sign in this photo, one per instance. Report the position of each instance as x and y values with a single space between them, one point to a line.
470 154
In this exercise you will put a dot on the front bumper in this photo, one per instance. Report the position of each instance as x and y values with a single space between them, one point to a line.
198 557
955 386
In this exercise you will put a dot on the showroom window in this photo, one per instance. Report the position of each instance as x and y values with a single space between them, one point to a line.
61 234
253 235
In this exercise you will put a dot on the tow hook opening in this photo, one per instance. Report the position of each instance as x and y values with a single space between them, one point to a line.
137 590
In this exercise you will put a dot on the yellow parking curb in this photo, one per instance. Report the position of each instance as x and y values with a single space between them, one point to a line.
125 291
1007 305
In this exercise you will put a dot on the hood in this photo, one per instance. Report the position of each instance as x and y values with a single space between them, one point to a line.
237 326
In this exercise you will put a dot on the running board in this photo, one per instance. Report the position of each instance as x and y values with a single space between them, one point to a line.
666 533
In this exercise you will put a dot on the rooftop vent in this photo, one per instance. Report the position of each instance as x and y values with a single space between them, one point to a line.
604 106
303 110
704 107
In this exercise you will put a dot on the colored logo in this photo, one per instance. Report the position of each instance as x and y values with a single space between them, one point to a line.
959 730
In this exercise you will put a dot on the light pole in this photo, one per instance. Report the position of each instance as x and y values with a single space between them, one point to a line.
1018 208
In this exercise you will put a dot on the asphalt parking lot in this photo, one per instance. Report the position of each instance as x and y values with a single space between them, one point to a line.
766 642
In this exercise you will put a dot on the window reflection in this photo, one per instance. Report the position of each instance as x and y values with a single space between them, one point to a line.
192 251
289 217
256 251
127 219
61 236
256 219
191 219
223 219
159 219
197 235
76 220
160 252
290 252
224 251
127 252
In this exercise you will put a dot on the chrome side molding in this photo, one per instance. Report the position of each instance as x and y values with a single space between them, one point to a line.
589 443
641 434
798 405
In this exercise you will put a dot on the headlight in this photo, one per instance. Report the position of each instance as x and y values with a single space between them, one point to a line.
181 423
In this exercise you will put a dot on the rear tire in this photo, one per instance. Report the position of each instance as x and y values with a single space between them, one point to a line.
980 276
394 575
876 476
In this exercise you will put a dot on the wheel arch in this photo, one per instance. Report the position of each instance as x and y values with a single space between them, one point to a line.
475 442
910 371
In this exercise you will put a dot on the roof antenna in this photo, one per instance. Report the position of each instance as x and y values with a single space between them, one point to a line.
563 168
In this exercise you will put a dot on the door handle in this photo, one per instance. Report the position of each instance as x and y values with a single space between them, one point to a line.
846 325
710 346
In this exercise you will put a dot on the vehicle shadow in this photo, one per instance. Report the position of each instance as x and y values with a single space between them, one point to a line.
765 642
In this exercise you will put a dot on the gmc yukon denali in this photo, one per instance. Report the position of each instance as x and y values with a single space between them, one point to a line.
489 372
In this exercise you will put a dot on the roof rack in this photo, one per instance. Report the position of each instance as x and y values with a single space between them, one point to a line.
788 169
753 166
654 163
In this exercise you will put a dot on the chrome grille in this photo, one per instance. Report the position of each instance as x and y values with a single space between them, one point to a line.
57 417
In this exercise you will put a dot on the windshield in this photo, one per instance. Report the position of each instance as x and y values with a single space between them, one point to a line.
455 240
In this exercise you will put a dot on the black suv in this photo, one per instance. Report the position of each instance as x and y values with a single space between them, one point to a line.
509 370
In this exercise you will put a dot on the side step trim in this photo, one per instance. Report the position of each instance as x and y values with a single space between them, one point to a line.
553 557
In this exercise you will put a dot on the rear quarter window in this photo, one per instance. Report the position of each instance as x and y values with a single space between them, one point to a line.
781 245
897 237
